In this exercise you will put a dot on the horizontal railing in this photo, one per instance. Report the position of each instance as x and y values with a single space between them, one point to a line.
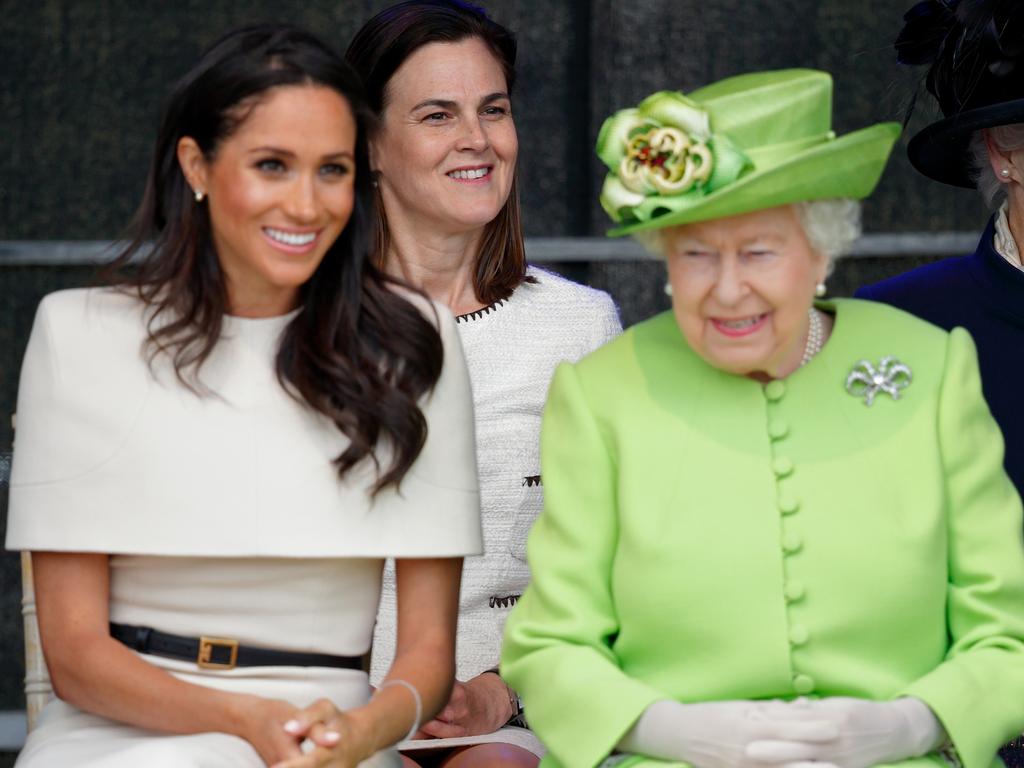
540 249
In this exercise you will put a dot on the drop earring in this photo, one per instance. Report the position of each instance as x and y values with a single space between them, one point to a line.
819 290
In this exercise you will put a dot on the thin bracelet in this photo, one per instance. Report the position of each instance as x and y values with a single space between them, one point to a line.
416 697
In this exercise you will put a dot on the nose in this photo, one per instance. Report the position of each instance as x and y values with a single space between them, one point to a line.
302 204
473 136
730 285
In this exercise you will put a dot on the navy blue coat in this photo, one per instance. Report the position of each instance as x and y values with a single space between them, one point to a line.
984 294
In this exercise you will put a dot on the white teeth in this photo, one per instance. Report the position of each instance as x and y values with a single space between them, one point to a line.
289 239
476 173
738 324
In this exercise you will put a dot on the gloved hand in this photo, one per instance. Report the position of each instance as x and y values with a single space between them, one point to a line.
718 734
870 732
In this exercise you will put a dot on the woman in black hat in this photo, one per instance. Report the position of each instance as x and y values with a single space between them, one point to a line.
974 50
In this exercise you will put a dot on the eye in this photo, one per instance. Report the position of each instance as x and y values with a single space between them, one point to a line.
495 110
436 117
270 165
335 169
757 254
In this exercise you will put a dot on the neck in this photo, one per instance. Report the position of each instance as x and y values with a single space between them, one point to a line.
1015 213
441 264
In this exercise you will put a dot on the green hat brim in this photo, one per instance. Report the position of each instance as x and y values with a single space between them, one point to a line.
848 166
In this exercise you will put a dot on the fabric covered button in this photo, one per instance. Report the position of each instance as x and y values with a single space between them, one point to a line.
777 429
803 684
774 390
791 542
794 590
782 466
798 634
788 504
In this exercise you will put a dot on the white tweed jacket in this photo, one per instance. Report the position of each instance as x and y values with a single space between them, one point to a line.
512 348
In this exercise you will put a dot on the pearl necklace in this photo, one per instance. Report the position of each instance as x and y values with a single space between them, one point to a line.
815 337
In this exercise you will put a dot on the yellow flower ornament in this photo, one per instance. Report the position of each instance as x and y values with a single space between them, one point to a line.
661 155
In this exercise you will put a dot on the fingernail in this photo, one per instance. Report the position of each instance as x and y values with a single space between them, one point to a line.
293 726
333 737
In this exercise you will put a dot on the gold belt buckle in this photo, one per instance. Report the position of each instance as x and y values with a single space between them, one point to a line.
206 646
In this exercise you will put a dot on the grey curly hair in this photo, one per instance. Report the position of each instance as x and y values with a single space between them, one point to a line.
1007 138
831 226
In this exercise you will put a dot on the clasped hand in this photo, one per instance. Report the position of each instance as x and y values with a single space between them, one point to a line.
337 741
867 732
840 732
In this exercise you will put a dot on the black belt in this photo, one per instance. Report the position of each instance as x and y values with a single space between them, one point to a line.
220 652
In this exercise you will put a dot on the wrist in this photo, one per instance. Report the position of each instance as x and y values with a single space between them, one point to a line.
923 727
236 714
504 702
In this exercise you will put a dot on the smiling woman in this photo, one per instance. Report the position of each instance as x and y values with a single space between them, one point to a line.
440 76
733 488
209 454
280 192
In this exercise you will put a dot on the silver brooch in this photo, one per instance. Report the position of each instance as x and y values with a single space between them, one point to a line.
867 381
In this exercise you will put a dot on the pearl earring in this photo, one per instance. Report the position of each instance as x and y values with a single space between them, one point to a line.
668 289
1005 173
819 290
199 195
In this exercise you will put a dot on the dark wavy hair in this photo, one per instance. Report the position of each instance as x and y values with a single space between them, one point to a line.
378 50
356 351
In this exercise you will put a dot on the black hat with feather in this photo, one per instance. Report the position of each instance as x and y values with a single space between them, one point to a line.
974 50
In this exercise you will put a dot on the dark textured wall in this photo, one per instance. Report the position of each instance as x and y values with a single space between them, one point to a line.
81 83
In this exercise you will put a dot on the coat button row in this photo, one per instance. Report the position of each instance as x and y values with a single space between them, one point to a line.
803 684
788 504
782 466
794 591
798 634
774 390
791 542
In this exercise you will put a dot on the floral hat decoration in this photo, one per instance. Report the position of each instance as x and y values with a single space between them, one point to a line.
742 144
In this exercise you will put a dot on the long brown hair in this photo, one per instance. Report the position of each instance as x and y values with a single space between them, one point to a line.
356 351
378 50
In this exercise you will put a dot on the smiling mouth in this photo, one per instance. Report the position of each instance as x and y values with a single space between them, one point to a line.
469 174
739 326
290 238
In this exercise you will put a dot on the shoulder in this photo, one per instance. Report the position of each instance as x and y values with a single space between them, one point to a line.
876 318
934 292
90 305
559 294
80 323
624 361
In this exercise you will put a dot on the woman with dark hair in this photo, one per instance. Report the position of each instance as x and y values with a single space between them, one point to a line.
215 456
439 76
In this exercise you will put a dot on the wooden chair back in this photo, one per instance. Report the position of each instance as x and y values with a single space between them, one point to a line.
38 690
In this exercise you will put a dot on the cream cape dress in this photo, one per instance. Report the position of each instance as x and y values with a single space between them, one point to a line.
222 513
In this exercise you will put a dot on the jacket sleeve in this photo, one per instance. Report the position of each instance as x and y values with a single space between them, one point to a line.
557 650
978 691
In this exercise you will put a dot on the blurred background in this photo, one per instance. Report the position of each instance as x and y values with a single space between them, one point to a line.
81 84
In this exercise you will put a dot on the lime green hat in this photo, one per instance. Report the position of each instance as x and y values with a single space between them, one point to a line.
742 144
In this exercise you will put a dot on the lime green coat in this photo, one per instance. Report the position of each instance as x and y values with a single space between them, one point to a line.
705 537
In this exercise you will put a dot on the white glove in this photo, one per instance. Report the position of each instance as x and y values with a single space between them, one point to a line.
717 734
870 732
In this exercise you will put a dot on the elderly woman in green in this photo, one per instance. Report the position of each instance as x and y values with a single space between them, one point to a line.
776 530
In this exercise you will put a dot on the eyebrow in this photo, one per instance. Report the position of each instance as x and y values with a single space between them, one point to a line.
289 153
447 104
